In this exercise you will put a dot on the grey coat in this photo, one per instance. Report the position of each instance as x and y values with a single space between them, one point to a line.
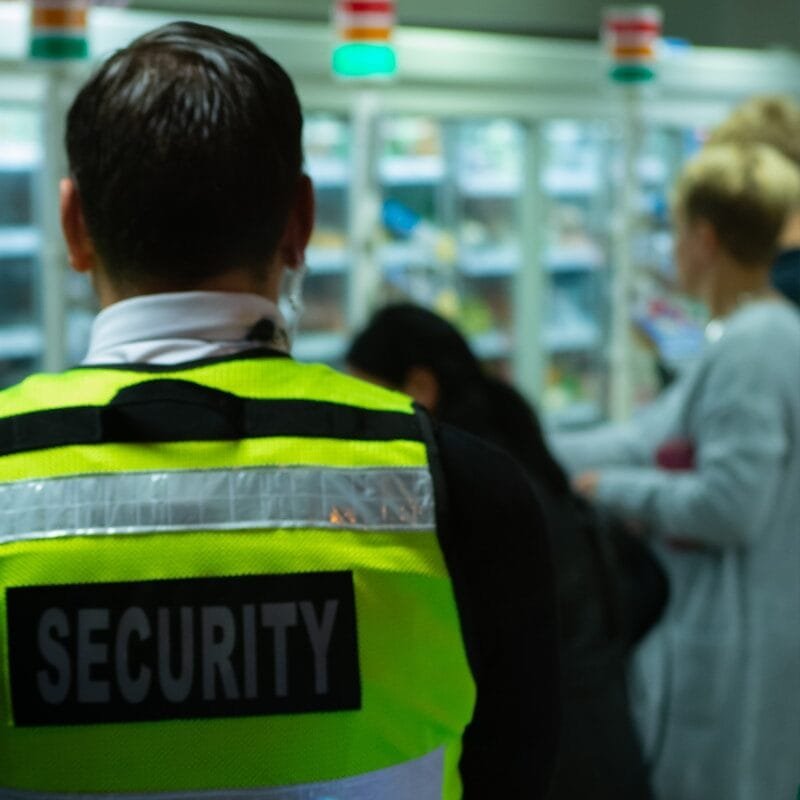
717 685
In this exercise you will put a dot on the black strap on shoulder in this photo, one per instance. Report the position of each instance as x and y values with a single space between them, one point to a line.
435 466
455 548
43 429
172 410
180 411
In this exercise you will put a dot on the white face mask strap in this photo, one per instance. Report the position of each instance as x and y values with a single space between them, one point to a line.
291 301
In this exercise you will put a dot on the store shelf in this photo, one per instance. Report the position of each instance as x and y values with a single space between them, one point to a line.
326 260
490 261
575 336
328 172
20 156
19 242
319 347
411 170
491 345
20 341
574 415
564 182
490 184
678 341
574 258
652 170
401 255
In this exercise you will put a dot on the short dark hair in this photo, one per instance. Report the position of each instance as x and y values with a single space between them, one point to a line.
186 149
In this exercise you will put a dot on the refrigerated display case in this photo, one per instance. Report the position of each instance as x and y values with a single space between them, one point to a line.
21 339
576 259
323 324
490 169
416 246
480 182
450 193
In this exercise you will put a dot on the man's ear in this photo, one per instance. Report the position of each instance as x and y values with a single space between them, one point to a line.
80 247
299 225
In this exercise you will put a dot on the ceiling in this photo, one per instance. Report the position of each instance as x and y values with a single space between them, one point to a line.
716 23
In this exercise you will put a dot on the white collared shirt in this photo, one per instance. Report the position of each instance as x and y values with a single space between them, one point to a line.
174 327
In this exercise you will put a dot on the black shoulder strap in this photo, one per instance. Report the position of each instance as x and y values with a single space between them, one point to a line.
435 466
171 410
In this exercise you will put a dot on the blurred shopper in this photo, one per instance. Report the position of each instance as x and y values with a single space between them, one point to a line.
772 120
235 558
711 471
610 590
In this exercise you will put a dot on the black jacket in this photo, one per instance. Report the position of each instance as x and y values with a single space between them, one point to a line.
494 540
610 591
786 274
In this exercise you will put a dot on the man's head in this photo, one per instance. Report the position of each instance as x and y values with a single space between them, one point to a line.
186 163
731 202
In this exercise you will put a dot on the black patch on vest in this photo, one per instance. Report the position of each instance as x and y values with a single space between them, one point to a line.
170 410
177 649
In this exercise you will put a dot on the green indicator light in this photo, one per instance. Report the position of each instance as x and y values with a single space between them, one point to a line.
632 73
56 48
362 60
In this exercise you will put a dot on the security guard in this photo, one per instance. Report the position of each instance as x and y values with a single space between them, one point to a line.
225 573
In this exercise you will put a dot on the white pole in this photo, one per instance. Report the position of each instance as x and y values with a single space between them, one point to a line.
620 357
364 212
530 282
53 253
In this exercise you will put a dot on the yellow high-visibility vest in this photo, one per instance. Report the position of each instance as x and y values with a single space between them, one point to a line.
224 579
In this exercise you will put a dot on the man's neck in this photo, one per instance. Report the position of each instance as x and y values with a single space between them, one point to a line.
265 285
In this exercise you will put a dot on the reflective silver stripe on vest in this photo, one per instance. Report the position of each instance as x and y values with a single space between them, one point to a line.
381 499
420 779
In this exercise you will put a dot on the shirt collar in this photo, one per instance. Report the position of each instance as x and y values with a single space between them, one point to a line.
173 327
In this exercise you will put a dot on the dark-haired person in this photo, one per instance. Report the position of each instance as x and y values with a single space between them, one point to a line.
711 470
408 348
225 573
610 590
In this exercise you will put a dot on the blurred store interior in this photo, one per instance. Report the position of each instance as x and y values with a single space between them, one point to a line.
500 177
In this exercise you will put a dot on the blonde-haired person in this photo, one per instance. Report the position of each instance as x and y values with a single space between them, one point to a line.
772 120
710 472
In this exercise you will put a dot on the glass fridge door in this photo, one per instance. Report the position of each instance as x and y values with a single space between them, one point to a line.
576 245
450 206
668 326
21 340
489 170
416 242
321 335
